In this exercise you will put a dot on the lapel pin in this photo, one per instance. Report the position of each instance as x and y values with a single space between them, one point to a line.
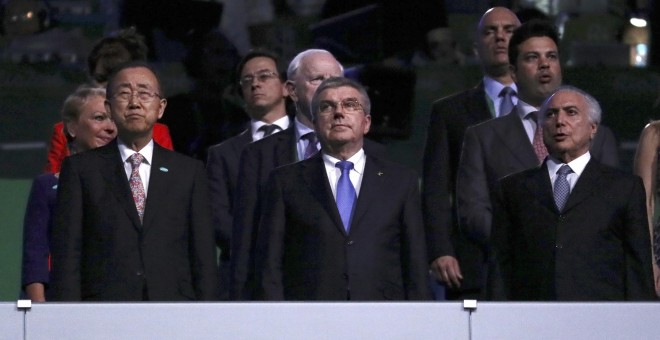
164 169
55 187
380 173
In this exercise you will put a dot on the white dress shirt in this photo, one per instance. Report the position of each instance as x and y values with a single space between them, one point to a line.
147 153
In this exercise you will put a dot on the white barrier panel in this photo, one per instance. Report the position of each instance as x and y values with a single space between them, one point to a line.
582 321
11 321
248 321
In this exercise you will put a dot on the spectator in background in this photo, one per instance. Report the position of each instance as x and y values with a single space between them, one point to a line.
262 88
439 49
87 125
646 167
105 56
212 111
456 261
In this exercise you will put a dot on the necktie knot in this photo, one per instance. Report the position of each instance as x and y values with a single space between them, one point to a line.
564 170
268 129
136 159
507 91
344 166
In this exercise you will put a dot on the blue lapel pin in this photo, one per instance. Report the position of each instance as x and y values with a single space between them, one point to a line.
163 169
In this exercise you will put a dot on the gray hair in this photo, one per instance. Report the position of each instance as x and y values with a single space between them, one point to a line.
295 63
593 107
336 82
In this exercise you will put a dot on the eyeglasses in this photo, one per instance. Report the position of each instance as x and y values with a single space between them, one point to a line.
261 77
142 96
349 106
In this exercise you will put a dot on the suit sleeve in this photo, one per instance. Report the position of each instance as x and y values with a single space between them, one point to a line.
245 224
35 235
639 274
205 270
499 263
220 199
270 243
413 245
473 197
437 188
605 148
66 236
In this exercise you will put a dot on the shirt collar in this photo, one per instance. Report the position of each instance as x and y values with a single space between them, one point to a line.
523 109
283 123
358 160
147 151
493 87
577 165
301 129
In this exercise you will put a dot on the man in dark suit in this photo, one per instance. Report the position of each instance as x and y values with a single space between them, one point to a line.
504 145
572 229
333 233
133 220
264 93
305 72
456 261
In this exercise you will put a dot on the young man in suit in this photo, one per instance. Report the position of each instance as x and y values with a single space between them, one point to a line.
512 143
572 229
262 88
456 261
133 220
343 224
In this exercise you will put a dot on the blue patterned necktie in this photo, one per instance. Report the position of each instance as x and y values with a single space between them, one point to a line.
562 189
507 101
346 195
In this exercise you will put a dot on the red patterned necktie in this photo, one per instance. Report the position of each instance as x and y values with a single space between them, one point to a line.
136 183
539 147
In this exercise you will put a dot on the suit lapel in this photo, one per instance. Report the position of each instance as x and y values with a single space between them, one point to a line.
372 188
478 105
511 133
285 151
585 185
313 172
115 174
158 184
540 188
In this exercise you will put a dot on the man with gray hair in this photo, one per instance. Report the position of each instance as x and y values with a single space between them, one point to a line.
571 229
343 224
305 72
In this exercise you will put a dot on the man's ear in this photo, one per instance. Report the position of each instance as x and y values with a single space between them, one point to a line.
291 88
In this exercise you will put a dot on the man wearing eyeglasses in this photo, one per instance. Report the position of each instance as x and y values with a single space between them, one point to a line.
264 93
305 73
133 220
343 224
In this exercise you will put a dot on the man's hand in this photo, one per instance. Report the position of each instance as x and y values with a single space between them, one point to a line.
447 270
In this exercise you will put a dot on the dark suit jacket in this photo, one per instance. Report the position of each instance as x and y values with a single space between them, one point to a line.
305 253
598 248
257 161
101 251
222 167
494 149
450 117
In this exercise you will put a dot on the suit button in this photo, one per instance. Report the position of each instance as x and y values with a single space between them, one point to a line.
350 242
139 273
558 246
345 276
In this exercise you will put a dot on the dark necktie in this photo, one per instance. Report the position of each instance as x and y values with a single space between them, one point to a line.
311 145
268 129
562 189
506 105
539 147
137 189
346 195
